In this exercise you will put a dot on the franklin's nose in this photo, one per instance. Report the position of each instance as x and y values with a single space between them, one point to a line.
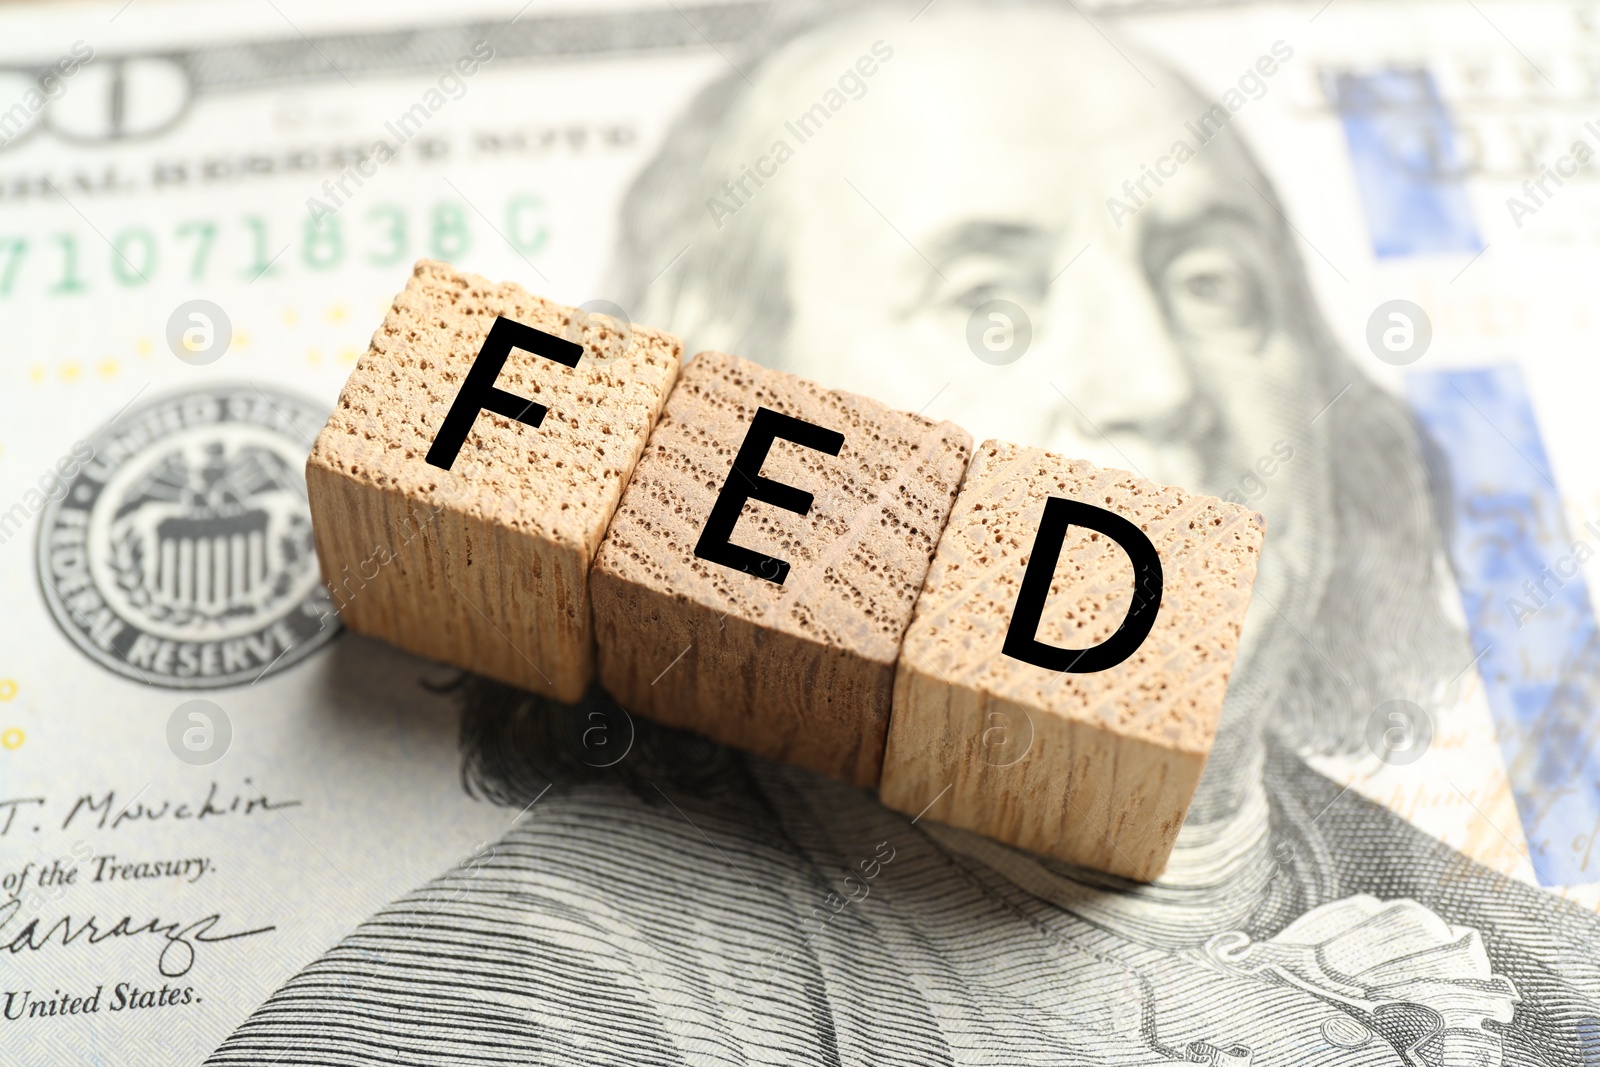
1123 371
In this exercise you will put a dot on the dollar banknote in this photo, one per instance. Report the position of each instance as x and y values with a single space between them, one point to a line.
1328 259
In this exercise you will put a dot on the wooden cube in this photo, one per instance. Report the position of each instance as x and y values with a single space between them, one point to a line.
775 630
1093 768
484 565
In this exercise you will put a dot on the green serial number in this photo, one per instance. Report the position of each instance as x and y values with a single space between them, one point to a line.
383 235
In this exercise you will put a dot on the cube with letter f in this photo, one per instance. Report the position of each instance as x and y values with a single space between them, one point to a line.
463 485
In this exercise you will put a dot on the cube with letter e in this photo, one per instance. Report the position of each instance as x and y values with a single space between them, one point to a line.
762 566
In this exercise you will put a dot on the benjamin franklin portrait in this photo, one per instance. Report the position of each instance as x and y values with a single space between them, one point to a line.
686 903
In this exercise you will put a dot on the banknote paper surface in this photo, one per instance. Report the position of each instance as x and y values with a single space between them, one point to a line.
1329 259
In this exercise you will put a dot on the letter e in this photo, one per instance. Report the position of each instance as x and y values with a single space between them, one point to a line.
744 483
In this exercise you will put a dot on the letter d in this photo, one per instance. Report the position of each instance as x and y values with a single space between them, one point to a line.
1021 640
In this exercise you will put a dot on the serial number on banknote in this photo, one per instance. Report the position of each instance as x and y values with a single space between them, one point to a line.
68 263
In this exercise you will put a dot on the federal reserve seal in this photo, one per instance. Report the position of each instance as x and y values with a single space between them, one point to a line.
181 552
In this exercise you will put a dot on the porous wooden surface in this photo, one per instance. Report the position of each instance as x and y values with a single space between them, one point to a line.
1096 768
801 672
490 573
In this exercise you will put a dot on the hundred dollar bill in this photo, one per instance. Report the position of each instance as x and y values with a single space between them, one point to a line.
1324 259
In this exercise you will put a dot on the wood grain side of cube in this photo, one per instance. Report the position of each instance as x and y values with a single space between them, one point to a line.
484 566
1095 769
408 584
789 698
800 672
1083 793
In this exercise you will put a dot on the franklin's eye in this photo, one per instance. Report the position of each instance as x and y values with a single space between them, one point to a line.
971 285
972 278
970 297
1209 291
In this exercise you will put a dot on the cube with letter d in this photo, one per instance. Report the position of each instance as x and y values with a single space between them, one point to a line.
762 566
1060 684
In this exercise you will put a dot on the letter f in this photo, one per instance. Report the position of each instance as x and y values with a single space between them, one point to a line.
479 393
